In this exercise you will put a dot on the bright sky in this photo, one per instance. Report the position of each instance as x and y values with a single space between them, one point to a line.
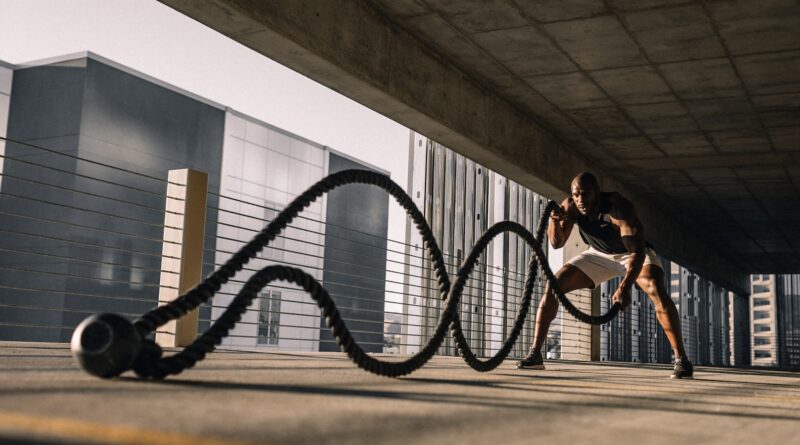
156 40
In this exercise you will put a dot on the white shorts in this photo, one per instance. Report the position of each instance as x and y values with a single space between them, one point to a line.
600 267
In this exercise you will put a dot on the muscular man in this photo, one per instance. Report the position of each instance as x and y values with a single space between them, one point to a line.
608 224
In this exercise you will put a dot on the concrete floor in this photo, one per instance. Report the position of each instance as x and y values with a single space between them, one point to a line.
298 398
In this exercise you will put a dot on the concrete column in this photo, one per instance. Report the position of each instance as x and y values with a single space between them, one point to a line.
595 329
182 251
577 338
740 336
416 255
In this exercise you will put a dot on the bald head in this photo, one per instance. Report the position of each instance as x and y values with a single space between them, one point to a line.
586 180
584 192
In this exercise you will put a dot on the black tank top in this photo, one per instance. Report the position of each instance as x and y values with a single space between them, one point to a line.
601 233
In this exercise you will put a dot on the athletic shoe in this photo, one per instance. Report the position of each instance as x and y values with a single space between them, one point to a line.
532 361
683 369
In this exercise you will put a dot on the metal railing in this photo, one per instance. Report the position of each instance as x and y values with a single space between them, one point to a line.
80 236
73 244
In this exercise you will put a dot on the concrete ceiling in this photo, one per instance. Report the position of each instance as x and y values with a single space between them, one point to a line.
695 104
691 108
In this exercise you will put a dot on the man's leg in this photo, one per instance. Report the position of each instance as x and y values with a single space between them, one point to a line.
569 278
651 281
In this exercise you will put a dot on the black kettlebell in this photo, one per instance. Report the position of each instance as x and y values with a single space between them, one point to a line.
105 345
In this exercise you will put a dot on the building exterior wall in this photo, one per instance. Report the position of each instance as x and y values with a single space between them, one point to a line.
339 239
774 320
357 217
263 169
763 321
739 313
684 295
6 76
88 114
787 291
460 200
635 335
453 192
439 181
45 106
82 217
523 206
414 324
705 317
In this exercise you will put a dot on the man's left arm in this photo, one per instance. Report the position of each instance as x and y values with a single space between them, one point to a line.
632 235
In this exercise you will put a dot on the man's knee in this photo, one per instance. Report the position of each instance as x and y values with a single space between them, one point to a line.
649 286
658 295
549 298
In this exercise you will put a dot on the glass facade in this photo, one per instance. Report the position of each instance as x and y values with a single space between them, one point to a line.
705 315
263 168
269 317
83 218
339 239
634 335
462 199
356 258
705 309
82 208
775 318
788 314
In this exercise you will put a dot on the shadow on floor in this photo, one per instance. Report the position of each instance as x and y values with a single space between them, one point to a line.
18 440
678 403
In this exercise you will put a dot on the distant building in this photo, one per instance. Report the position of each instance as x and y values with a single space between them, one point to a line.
340 239
763 321
775 320
634 335
461 200
81 221
787 290
705 317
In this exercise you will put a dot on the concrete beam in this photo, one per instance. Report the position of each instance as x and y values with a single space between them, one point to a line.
349 46
730 160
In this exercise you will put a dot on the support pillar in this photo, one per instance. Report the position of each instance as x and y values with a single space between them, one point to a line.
577 338
595 329
182 250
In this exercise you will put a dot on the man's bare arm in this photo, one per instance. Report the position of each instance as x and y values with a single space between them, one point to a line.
561 223
632 235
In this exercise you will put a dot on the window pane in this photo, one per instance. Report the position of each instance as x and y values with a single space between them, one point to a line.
269 317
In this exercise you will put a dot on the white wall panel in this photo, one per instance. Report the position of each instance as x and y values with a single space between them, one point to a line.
266 169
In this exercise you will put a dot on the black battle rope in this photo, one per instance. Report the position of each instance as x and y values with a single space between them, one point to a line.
150 363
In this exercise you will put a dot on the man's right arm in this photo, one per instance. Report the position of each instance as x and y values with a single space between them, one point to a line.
561 223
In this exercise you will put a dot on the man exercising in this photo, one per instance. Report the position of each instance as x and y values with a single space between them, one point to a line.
608 224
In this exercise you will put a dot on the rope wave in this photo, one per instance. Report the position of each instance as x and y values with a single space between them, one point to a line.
151 364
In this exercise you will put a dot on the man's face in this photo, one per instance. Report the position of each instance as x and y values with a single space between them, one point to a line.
584 196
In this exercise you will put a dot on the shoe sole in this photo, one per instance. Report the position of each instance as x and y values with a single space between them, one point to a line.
681 378
532 368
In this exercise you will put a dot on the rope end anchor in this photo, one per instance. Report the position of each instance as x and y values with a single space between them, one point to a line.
105 345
